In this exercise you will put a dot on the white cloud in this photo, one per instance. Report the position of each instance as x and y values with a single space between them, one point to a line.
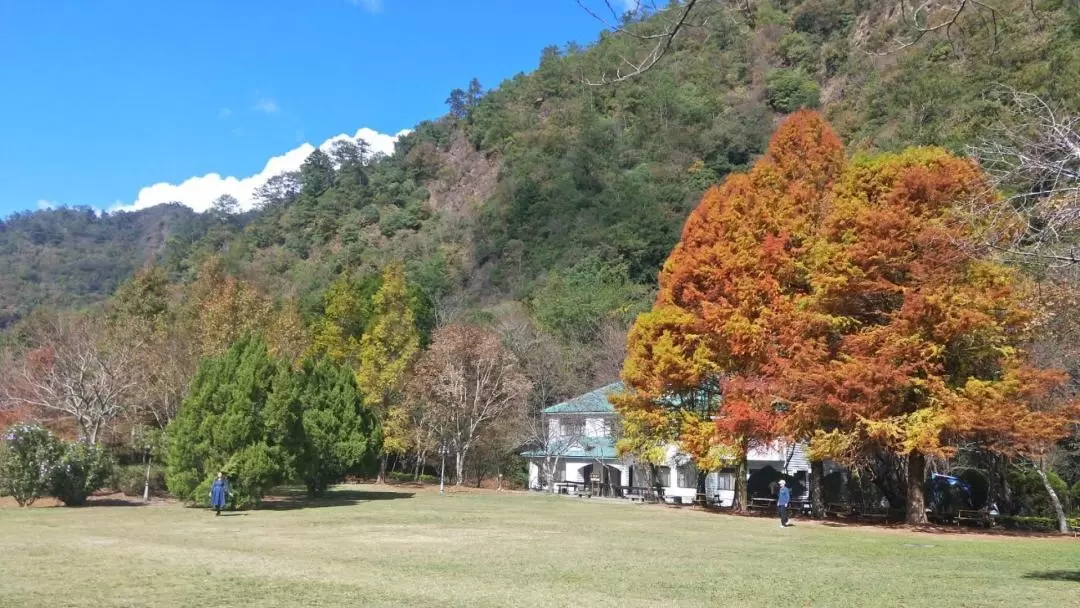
371 6
44 204
266 106
200 192
224 113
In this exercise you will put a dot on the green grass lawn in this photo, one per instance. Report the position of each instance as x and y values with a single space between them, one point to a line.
368 546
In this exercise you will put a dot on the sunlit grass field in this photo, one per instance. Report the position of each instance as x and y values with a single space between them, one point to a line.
390 546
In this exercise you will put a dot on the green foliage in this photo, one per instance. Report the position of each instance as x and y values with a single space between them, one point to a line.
145 297
72 257
1036 524
28 456
369 215
582 171
1029 494
404 477
239 417
81 469
1074 495
791 89
575 302
130 480
799 51
341 435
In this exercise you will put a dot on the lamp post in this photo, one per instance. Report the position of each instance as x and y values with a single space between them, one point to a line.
442 473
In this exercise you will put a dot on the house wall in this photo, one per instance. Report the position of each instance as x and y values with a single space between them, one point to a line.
596 427
573 469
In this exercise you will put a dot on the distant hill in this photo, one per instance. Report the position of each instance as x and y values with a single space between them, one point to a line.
72 257
545 188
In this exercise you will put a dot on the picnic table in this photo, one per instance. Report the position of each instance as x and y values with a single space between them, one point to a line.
637 493
576 488
838 510
762 505
800 505
872 514
979 517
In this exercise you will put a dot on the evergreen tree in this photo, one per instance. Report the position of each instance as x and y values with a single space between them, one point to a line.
340 433
316 174
457 104
241 417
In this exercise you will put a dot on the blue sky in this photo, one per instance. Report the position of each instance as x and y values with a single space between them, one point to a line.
102 99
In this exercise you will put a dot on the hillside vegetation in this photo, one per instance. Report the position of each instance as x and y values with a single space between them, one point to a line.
564 196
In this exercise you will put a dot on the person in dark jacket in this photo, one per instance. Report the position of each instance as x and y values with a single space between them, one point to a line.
219 493
782 501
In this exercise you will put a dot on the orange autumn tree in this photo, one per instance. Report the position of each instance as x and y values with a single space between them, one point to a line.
848 295
921 348
732 278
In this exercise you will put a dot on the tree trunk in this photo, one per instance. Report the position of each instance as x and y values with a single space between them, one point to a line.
741 485
382 470
701 479
1063 523
459 468
419 464
1000 494
916 501
817 488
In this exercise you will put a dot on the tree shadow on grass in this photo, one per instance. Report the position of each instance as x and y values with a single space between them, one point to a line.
298 499
1068 576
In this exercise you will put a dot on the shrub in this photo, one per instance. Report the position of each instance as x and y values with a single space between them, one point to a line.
28 455
81 469
1076 496
1029 493
131 480
369 215
1036 524
406 477
791 89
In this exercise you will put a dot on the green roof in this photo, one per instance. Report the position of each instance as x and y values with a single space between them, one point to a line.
589 448
591 402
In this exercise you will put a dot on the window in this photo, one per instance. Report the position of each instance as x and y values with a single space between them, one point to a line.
663 476
573 427
725 481
687 476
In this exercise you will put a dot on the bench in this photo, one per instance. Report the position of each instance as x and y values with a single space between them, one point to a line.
800 506
837 510
762 505
977 517
872 514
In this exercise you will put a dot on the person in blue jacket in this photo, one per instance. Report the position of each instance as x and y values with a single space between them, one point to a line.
219 493
782 501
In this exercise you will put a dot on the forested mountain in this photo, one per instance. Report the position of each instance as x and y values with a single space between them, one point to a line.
74 257
567 196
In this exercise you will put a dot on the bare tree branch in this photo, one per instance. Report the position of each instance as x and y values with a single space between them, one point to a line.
73 370
660 42
930 18
1034 158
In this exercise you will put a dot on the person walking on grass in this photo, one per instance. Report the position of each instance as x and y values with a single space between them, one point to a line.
219 493
782 501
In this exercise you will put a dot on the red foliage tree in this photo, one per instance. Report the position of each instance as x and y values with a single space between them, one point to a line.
850 294
731 278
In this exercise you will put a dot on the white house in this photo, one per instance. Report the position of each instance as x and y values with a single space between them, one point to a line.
580 449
